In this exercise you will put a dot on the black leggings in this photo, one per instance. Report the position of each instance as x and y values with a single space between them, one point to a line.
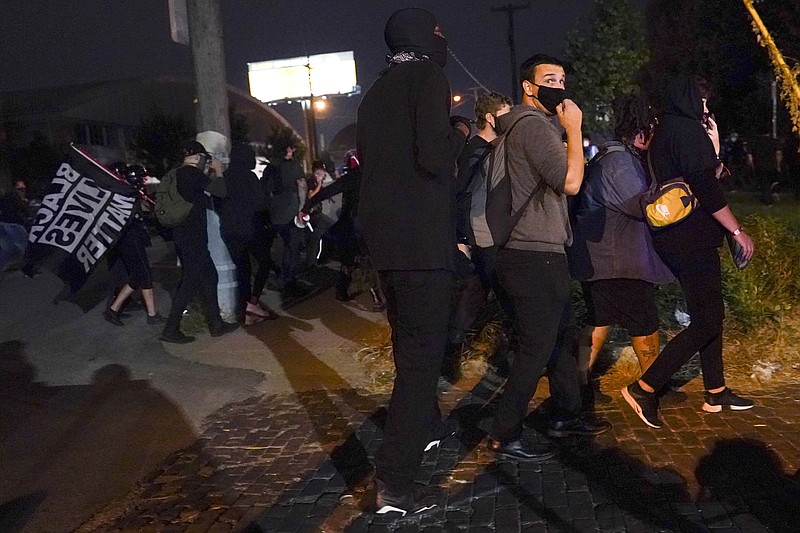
699 275
240 248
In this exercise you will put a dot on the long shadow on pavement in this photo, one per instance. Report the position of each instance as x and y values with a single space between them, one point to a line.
66 451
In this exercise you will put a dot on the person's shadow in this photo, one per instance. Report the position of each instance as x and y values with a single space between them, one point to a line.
67 451
748 478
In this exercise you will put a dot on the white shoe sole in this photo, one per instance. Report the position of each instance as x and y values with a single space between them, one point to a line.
636 408
717 408
391 509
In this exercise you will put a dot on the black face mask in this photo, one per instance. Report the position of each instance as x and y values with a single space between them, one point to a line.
550 97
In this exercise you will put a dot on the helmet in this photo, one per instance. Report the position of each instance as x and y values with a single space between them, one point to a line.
136 176
119 168
351 160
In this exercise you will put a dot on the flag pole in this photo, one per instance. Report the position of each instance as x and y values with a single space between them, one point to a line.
143 195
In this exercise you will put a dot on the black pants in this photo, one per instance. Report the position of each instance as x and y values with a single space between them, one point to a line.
538 284
292 239
198 278
418 308
240 248
473 290
700 278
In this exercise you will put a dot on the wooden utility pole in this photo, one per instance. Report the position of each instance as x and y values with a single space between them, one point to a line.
510 9
208 56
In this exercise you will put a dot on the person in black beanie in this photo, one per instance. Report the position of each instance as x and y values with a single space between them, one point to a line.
198 273
240 218
408 152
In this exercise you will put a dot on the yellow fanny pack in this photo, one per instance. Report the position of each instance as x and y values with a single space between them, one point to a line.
668 203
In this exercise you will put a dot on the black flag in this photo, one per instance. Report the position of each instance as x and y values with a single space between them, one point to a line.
84 211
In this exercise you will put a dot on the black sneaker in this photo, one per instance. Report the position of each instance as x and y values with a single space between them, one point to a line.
583 426
112 316
726 399
176 338
522 450
155 319
223 329
446 429
644 403
414 501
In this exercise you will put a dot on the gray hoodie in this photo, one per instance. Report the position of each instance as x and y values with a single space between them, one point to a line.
536 152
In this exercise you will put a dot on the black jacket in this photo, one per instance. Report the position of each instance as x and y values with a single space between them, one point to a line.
681 147
242 210
408 152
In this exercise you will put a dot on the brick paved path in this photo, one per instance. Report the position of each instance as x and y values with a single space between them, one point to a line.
300 463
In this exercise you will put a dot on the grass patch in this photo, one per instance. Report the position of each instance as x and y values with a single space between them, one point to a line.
762 325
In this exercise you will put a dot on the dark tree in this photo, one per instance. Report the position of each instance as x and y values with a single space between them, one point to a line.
715 38
240 129
159 140
605 52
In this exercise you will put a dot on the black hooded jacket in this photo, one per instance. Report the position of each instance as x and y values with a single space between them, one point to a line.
681 147
408 151
240 212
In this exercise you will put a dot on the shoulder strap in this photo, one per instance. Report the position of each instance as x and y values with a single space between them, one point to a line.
539 186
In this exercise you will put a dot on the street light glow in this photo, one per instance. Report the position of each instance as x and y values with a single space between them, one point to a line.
320 105
457 98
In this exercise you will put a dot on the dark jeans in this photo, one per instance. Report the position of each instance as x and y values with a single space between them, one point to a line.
418 308
472 291
292 238
700 278
538 284
240 248
198 278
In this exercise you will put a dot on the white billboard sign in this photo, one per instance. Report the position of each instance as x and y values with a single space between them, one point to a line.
303 77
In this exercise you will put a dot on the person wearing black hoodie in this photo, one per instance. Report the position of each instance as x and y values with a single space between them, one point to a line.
683 147
408 152
241 222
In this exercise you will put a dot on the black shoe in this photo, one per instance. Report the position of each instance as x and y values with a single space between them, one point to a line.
582 426
669 396
521 450
155 319
176 338
30 271
413 501
445 430
644 403
726 399
112 316
224 328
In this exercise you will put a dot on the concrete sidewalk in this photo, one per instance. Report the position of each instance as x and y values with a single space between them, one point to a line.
87 408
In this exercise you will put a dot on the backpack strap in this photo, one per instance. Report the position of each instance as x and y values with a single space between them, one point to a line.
539 186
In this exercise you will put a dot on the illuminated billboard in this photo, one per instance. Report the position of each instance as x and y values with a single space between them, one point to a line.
302 77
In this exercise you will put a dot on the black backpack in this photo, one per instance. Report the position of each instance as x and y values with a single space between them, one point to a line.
491 216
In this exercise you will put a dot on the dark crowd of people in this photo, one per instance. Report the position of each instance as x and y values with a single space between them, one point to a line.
411 204
313 217
576 213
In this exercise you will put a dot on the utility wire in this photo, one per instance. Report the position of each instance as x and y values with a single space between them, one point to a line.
460 64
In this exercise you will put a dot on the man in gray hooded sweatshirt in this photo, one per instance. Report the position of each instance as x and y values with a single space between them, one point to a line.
408 152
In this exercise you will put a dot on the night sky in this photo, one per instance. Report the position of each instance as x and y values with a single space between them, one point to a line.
45 43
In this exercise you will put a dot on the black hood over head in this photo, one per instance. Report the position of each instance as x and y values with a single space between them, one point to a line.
683 98
411 30
242 157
